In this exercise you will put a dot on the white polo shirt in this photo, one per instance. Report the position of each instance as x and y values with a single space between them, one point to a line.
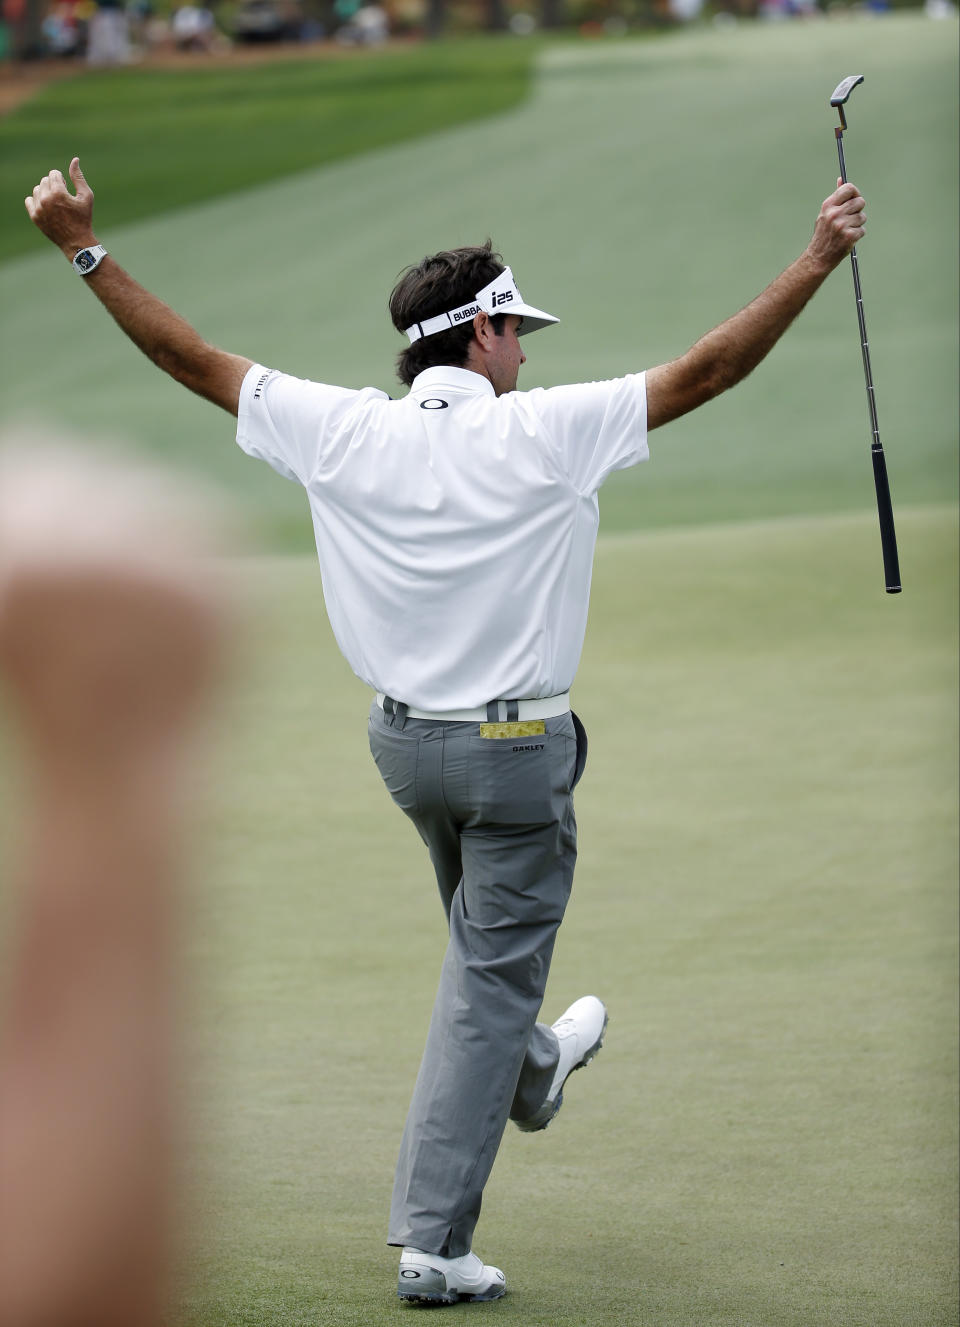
455 528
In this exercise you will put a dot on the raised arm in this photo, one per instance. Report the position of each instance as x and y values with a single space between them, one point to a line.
67 221
726 355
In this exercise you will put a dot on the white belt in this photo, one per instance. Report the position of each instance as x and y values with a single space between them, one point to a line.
544 707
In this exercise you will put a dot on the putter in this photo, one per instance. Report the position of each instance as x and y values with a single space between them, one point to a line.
888 535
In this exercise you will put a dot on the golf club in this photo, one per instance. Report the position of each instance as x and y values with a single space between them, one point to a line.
888 535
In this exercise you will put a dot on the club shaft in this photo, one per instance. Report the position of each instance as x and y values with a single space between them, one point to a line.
888 536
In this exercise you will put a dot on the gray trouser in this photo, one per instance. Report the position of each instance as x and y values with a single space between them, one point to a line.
497 817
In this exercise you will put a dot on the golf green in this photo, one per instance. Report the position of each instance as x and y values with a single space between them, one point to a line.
766 899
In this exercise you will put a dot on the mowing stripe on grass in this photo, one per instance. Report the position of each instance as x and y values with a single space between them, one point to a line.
640 228
156 140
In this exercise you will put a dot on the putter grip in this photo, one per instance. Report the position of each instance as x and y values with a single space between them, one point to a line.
888 535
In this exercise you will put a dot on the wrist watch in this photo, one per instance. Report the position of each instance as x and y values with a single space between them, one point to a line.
86 260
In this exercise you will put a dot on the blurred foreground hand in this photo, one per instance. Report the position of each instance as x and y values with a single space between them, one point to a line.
111 638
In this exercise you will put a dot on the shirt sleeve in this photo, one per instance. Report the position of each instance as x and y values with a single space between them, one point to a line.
289 422
596 427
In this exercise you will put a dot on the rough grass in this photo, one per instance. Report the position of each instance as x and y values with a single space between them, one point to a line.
157 140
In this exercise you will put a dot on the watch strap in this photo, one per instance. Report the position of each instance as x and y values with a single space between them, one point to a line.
86 261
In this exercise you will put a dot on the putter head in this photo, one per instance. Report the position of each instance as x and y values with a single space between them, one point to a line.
843 90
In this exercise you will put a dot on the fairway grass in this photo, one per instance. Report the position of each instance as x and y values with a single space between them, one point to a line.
766 898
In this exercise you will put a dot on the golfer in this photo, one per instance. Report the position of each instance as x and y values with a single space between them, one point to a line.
455 529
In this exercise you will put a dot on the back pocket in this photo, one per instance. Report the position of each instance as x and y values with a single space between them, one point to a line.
519 781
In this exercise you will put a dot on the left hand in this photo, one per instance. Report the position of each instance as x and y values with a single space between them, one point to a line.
66 219
840 225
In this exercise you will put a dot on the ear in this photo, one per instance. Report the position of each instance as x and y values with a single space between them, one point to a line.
483 331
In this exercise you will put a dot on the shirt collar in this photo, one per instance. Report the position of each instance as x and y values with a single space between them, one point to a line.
460 380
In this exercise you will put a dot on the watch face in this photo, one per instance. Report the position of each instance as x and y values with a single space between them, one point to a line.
85 260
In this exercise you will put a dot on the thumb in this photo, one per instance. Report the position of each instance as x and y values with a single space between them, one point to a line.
79 179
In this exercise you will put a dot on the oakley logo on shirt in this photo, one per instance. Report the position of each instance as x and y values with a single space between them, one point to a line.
433 403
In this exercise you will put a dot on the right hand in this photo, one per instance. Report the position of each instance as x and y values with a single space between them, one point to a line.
66 219
840 225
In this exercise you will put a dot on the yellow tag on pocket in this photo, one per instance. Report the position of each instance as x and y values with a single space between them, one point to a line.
525 728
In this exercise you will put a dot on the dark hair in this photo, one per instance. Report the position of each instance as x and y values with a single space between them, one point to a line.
442 281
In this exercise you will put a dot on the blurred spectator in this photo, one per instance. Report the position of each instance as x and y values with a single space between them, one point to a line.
194 28
156 32
11 16
63 34
685 11
141 18
345 11
367 25
108 40
776 10
267 20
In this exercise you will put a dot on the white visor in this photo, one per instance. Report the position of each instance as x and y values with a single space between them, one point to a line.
501 296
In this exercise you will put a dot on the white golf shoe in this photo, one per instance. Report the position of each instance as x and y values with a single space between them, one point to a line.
426 1278
580 1033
